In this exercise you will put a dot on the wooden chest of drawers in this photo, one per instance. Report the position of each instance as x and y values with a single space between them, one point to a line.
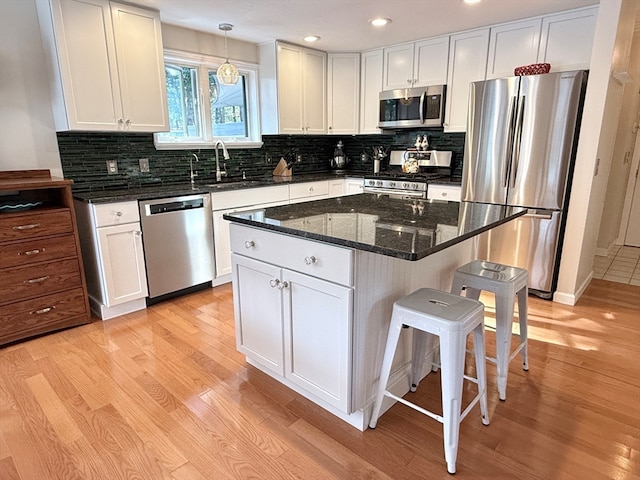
43 286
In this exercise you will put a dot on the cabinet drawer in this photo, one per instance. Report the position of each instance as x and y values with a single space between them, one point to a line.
320 260
36 251
115 213
309 189
31 281
47 222
40 315
250 196
450 193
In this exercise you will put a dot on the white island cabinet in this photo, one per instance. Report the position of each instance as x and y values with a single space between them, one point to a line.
111 241
106 64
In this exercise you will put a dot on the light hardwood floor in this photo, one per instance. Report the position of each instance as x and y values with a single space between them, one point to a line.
163 394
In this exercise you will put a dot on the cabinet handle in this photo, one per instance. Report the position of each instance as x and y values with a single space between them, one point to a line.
32 252
310 260
249 244
118 214
42 310
283 285
26 227
36 280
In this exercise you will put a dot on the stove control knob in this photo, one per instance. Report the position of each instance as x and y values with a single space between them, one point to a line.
405 185
372 182
392 184
379 183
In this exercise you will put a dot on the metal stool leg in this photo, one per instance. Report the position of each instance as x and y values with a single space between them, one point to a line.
522 318
504 325
481 370
417 356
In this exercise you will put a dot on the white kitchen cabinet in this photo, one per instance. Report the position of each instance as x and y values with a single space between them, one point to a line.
450 193
111 240
293 89
235 201
313 224
353 185
295 322
106 64
467 63
343 93
416 64
301 192
567 38
336 187
371 64
512 45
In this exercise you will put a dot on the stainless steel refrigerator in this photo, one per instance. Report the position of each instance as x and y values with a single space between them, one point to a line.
522 134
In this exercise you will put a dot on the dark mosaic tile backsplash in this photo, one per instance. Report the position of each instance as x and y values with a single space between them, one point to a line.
84 155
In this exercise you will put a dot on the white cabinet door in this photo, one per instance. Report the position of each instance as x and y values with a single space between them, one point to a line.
121 260
315 91
512 45
430 61
567 39
398 67
258 312
341 224
138 40
354 185
343 93
467 63
317 333
370 87
336 188
107 68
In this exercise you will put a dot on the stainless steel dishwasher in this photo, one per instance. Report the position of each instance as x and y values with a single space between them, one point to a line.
177 234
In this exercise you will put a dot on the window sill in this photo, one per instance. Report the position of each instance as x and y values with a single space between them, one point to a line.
205 145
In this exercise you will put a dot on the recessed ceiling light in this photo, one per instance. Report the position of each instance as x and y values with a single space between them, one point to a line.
471 1
311 38
380 22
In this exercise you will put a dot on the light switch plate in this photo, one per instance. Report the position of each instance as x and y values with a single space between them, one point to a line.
112 167
144 165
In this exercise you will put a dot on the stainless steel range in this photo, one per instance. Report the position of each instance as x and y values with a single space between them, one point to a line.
397 180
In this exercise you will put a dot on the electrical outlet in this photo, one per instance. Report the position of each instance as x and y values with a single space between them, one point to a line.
144 165
112 167
298 158
267 158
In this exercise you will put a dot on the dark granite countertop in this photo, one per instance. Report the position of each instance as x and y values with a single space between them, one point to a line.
175 190
402 228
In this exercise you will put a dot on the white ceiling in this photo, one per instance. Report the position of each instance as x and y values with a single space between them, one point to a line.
343 24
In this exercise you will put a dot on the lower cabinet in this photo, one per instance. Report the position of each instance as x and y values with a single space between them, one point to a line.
296 325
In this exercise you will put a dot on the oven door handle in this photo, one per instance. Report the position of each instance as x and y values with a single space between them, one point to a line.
391 191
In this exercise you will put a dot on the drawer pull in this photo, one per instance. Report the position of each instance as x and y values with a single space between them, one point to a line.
310 260
274 283
249 244
32 252
444 194
36 280
283 285
43 310
26 227
118 214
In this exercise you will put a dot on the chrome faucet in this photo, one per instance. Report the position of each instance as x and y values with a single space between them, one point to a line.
192 174
225 153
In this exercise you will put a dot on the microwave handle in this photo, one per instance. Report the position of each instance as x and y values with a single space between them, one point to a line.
422 98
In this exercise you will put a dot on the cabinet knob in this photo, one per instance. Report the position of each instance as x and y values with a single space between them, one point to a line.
274 282
249 244
118 214
283 285
310 260
444 194
409 81
127 122
137 232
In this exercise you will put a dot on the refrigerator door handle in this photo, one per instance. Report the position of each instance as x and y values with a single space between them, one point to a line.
518 135
541 216
505 173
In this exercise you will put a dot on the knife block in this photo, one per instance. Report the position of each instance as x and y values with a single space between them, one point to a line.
282 170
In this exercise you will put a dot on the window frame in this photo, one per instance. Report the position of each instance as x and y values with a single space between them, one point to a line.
203 64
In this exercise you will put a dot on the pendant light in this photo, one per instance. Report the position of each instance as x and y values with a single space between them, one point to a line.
227 73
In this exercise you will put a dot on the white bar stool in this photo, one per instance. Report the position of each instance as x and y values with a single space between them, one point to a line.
451 318
506 283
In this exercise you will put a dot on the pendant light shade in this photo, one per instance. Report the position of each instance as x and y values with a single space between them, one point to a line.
227 73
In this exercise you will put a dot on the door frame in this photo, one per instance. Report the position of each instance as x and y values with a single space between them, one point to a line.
633 184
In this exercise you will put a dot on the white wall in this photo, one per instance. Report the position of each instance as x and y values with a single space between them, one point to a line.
597 137
27 133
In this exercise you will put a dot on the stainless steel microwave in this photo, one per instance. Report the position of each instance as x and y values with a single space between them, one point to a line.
412 107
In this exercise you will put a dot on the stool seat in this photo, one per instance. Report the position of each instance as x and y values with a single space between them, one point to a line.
451 318
507 283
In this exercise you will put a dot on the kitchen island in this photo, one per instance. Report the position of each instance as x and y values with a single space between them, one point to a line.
314 284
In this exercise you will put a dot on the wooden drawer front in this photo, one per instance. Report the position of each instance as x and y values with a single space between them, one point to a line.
310 189
40 250
32 281
50 222
306 256
18 320
116 213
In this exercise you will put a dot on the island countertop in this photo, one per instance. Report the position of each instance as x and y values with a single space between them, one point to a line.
409 229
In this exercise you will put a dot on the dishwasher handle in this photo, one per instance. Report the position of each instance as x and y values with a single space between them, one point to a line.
175 206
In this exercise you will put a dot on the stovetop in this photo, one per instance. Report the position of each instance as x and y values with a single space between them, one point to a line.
414 177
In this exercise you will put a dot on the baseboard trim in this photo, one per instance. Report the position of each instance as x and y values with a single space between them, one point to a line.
572 298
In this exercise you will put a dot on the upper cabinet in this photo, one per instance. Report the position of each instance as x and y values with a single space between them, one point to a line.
512 45
567 38
106 64
416 64
370 87
343 93
467 63
293 89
